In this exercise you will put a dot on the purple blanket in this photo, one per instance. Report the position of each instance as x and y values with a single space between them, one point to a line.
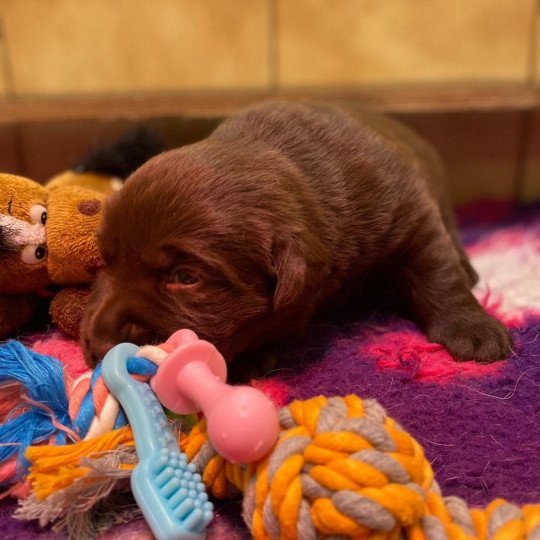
479 425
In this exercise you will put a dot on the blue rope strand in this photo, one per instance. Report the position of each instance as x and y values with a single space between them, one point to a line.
137 365
42 378
121 419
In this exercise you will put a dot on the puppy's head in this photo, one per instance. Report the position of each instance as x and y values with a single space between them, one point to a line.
202 240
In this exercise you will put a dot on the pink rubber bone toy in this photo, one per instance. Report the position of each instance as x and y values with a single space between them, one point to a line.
242 422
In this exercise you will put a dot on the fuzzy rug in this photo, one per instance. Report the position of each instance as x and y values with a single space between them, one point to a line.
479 425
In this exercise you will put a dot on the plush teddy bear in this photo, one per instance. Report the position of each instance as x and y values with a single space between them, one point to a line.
48 249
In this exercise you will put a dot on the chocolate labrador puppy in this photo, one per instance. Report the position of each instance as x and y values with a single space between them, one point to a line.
244 235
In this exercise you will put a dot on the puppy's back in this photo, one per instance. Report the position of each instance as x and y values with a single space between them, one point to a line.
366 170
327 142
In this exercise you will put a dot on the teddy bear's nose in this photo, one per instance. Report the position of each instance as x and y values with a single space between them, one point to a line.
17 232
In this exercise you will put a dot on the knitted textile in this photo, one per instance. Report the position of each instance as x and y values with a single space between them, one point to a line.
477 424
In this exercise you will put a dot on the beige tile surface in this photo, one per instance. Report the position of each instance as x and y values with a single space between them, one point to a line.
3 91
4 60
479 150
325 42
85 46
535 45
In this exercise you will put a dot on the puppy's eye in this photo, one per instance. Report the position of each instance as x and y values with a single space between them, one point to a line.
182 280
33 254
38 214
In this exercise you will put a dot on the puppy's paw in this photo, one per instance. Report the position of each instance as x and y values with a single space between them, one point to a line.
475 336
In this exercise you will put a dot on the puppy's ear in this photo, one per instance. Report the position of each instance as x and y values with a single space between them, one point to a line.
290 268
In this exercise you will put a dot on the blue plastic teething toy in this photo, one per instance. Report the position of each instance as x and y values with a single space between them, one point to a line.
168 490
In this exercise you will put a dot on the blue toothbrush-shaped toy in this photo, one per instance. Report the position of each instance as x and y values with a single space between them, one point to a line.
169 492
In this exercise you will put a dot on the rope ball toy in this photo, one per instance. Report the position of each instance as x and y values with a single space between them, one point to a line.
340 468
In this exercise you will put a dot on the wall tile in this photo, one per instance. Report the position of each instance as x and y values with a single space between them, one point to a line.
3 90
4 60
82 46
326 42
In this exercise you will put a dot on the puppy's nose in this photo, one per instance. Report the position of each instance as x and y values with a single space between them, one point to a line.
95 351
136 333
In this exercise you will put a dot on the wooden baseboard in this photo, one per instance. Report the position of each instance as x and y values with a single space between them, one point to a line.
487 135
205 104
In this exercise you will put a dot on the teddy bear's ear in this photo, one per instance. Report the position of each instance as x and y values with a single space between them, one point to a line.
74 259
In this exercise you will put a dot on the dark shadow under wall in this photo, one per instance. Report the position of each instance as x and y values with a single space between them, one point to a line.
483 151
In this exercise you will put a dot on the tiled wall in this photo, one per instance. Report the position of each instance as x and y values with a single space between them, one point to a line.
88 46
373 41
51 48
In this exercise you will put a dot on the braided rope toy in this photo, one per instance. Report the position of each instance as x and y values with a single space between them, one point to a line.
341 467
39 404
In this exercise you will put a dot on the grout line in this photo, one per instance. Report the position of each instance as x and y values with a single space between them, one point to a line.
6 69
273 44
534 43
6 65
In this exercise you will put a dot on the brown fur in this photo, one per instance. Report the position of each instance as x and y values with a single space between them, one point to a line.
278 211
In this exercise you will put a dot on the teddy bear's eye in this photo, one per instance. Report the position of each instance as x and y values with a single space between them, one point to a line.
33 254
38 214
